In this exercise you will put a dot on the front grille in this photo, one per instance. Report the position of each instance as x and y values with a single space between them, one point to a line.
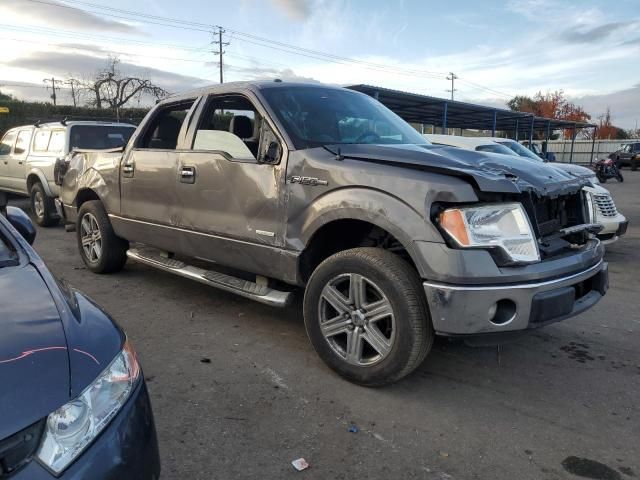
550 215
18 449
605 205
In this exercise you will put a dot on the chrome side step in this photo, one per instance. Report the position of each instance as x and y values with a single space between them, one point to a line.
245 288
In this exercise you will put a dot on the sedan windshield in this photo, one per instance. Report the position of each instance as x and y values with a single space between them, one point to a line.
495 148
7 254
316 116
99 137
521 150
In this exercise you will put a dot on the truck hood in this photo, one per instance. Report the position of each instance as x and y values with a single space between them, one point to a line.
34 361
489 171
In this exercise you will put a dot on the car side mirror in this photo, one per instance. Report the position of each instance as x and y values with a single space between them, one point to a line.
272 153
22 223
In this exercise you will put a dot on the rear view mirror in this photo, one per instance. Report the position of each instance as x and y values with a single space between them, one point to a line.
22 223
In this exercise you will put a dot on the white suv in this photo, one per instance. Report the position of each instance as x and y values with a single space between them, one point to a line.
28 156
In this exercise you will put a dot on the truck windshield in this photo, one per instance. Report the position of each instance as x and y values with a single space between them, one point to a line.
521 150
316 116
99 137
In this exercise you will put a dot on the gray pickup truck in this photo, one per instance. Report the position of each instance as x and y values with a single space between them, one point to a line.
263 188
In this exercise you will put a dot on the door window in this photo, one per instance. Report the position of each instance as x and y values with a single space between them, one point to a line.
41 140
164 128
22 143
229 124
7 143
56 144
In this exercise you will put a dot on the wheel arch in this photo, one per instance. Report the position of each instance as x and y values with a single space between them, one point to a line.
37 176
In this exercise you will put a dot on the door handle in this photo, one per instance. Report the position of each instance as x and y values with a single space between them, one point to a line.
127 169
188 175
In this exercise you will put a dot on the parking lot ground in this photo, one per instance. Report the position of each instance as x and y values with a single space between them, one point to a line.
238 391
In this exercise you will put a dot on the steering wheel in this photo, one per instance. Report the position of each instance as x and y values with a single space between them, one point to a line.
367 134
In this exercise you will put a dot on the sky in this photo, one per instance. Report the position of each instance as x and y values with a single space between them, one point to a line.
498 49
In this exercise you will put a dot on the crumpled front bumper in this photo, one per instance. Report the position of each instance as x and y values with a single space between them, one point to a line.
487 309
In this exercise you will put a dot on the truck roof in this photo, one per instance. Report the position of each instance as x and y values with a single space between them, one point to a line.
249 85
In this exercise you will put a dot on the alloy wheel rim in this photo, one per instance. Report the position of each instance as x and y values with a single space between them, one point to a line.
357 319
91 238
38 204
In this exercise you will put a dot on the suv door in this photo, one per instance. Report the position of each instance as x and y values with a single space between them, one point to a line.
149 176
229 187
17 174
6 147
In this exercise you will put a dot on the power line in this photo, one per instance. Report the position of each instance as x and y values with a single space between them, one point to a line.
53 88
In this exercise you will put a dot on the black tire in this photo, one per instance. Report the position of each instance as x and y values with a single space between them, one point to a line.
601 178
412 335
43 206
634 163
112 249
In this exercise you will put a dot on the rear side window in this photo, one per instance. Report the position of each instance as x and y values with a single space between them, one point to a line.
22 143
163 129
41 140
99 137
57 141
7 143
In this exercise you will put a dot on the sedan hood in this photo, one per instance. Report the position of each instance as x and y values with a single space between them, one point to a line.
490 172
575 170
34 362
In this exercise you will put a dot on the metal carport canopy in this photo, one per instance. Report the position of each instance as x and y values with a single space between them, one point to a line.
416 108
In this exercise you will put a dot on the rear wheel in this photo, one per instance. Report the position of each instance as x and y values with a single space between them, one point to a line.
100 248
634 163
367 317
42 206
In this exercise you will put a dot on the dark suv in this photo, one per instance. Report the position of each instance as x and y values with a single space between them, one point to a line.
628 155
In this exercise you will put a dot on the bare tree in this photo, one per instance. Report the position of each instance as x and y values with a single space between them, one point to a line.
112 89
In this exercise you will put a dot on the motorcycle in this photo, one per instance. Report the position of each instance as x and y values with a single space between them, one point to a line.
607 168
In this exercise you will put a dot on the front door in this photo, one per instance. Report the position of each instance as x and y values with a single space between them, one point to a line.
148 173
226 190
18 163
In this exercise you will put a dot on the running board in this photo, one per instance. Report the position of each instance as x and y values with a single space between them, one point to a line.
239 286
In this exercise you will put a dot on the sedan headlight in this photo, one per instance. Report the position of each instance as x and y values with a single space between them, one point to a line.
72 427
504 226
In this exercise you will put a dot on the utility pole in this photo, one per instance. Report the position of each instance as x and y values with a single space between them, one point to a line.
72 83
452 76
53 88
220 51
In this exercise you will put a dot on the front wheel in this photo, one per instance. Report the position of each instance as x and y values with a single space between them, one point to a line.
601 178
100 248
366 315
42 206
634 163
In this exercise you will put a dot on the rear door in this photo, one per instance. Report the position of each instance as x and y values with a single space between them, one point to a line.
6 147
149 176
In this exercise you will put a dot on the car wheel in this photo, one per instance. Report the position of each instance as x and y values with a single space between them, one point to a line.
634 163
366 315
100 248
42 206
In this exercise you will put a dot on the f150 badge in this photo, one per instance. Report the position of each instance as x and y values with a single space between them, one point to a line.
313 181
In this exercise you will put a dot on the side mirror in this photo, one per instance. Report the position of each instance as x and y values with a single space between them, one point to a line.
22 223
272 153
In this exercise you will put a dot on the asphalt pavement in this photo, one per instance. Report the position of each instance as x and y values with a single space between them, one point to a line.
238 391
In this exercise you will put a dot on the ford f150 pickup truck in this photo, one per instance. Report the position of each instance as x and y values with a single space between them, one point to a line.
259 188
